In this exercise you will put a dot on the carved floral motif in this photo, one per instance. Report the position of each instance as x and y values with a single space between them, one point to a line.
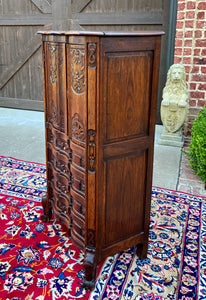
52 49
56 59
77 128
53 74
77 70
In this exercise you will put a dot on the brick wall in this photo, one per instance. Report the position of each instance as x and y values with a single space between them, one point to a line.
190 50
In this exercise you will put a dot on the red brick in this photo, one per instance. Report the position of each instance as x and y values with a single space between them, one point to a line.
202 87
181 6
199 61
193 86
178 51
187 60
198 183
196 191
205 33
197 52
194 111
187 69
184 188
191 119
197 95
178 43
179 24
198 77
191 4
203 70
198 34
202 6
188 133
188 43
189 24
180 15
201 103
200 24
177 60
189 127
195 69
179 33
188 34
187 51
203 52
200 43
190 15
188 174
185 164
192 103
201 15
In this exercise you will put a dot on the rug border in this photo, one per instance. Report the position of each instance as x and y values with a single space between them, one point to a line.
26 161
179 192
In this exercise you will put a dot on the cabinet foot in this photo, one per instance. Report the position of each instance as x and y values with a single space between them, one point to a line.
90 266
141 250
47 211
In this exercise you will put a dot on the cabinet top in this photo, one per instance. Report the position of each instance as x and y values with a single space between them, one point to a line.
103 33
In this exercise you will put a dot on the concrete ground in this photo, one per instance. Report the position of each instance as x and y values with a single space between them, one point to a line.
22 137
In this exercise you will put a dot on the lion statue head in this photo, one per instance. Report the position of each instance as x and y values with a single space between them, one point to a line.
176 80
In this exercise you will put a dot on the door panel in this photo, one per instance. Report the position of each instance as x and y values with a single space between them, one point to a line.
128 175
128 85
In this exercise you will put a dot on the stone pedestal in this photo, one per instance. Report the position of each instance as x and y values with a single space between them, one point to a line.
171 139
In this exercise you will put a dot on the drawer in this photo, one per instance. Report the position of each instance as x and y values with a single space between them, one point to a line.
61 202
58 160
60 181
79 198
79 209
57 138
78 180
78 155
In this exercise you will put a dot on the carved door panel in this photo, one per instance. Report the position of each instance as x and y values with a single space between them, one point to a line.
58 145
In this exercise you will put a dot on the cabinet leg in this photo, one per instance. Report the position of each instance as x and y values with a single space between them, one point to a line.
90 266
141 250
47 211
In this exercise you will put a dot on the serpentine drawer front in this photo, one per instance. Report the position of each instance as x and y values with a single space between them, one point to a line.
100 103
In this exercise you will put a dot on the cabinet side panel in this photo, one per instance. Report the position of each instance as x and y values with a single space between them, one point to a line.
127 113
125 194
128 91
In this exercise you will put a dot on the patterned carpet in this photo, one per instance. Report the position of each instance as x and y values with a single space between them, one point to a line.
38 260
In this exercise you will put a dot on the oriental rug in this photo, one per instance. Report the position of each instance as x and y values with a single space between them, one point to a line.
39 262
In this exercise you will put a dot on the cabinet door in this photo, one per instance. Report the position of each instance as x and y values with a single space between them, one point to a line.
127 116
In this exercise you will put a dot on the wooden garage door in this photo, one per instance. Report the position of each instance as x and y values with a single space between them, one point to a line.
20 54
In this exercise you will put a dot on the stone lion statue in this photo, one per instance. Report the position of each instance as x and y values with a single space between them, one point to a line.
175 99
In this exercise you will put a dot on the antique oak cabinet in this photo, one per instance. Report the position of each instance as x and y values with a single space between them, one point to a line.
100 99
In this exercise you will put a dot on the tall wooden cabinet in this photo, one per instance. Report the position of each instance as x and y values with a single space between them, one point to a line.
100 100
